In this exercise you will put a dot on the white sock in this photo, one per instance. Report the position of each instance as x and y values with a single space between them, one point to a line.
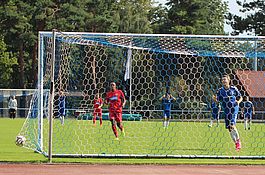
245 124
234 134
167 123
211 122
62 120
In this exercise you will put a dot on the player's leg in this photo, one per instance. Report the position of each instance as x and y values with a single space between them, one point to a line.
164 119
113 124
217 119
100 118
245 121
234 130
211 120
62 114
229 126
94 118
168 118
249 121
118 119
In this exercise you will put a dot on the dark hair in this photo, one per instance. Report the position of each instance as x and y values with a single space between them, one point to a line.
225 75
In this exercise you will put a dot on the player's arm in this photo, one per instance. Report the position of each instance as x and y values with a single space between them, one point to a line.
215 98
239 100
123 99
253 109
101 104
173 97
162 97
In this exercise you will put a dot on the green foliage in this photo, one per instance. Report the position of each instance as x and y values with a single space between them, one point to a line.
254 20
20 22
7 61
196 16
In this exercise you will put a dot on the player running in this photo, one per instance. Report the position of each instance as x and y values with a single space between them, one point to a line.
98 103
167 101
116 101
230 98
216 109
247 109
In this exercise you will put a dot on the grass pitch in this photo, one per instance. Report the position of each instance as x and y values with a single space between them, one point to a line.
141 137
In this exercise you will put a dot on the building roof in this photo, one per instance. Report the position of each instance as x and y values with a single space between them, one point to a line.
253 82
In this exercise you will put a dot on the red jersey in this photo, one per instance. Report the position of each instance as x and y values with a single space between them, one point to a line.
115 100
97 103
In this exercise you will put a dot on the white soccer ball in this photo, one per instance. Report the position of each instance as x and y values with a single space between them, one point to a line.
20 140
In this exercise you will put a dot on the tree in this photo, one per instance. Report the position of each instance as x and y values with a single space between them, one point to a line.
15 18
133 16
196 16
254 20
7 61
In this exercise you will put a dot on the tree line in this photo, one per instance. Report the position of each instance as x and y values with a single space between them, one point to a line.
20 21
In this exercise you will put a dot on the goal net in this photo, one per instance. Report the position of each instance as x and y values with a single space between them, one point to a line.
145 67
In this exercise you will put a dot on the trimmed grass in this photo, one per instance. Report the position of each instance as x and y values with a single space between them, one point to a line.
9 152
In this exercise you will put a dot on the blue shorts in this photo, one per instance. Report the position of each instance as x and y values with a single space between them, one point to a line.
231 116
215 116
167 114
247 116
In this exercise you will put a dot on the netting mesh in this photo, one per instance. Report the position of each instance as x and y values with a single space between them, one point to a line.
145 67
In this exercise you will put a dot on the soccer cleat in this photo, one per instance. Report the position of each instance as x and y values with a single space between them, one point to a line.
116 138
123 132
248 128
238 145
62 120
209 126
100 125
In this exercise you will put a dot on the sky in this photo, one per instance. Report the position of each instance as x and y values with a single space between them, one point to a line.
233 8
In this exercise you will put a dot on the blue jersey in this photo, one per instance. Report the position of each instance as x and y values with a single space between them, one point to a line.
227 97
248 107
215 108
167 103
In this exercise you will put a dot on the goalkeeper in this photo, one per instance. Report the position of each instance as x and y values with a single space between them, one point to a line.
116 100
167 100
230 98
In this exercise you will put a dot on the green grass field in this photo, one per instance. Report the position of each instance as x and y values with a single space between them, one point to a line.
184 138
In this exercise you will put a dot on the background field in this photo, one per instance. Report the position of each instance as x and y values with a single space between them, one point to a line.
9 152
149 137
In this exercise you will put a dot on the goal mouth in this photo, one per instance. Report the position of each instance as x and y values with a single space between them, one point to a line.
144 67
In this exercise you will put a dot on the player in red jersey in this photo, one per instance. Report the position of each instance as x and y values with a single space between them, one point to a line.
116 100
98 103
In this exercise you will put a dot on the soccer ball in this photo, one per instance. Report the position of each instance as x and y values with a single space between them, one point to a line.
20 140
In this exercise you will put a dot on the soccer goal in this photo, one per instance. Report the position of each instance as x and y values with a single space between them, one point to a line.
73 67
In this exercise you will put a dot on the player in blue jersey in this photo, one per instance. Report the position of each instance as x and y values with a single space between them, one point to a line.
229 97
61 106
247 109
167 101
216 109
